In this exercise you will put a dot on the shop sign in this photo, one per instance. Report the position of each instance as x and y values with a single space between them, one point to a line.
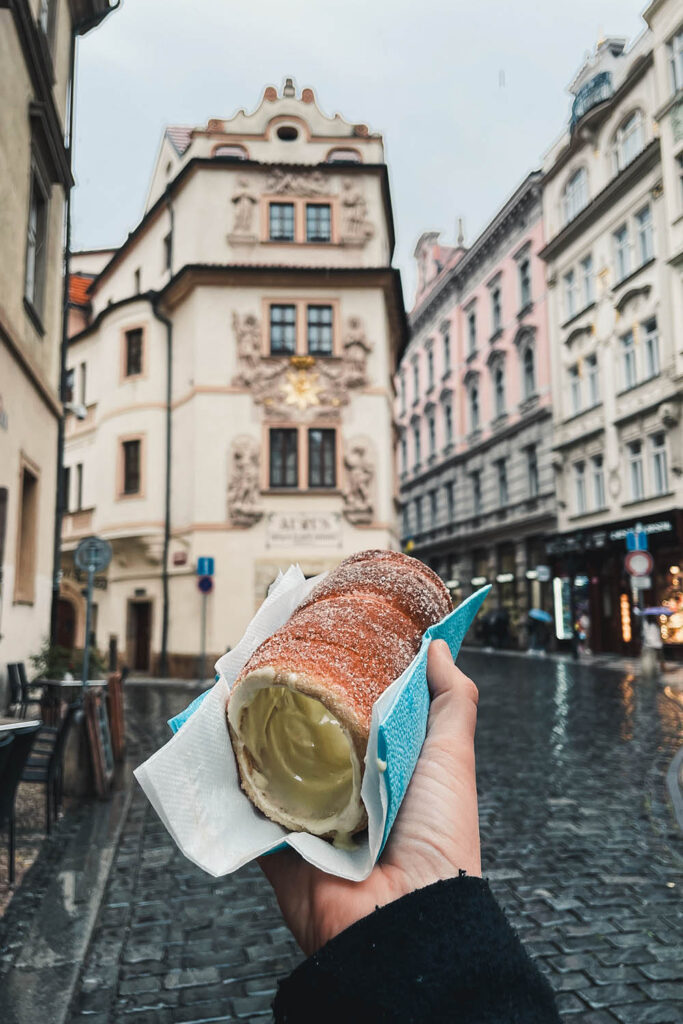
661 526
543 573
304 529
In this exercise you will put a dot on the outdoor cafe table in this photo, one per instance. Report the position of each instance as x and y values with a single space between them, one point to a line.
17 724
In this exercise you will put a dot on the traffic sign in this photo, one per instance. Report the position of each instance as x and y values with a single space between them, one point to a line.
543 573
205 584
205 566
641 582
636 540
93 552
639 563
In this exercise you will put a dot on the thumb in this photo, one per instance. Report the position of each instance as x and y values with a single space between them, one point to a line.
454 696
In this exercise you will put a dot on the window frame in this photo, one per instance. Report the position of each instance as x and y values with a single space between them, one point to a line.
326 432
121 493
318 205
575 391
580 495
587 280
125 331
570 294
533 479
282 205
477 500
636 469
645 237
597 463
35 297
593 378
300 228
622 252
503 486
659 463
628 361
528 349
27 534
525 282
651 348
301 306
302 454
575 199
622 141
675 55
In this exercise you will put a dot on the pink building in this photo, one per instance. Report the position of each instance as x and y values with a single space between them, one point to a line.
473 412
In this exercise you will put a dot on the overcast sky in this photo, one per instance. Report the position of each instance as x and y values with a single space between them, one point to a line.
468 95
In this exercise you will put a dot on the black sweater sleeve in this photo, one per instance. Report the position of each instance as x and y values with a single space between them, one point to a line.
444 953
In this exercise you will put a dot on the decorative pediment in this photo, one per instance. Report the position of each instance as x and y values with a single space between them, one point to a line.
632 296
471 377
524 335
496 357
280 181
577 333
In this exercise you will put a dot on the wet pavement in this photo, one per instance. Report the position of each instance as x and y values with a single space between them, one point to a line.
578 840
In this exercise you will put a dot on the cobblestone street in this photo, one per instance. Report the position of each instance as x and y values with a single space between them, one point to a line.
578 843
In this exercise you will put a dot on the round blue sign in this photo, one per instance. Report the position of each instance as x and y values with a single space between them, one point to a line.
205 584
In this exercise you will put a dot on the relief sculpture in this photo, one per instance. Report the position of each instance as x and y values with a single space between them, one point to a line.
244 205
356 229
359 472
295 183
244 494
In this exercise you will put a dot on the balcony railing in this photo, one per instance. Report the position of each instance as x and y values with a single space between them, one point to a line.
591 95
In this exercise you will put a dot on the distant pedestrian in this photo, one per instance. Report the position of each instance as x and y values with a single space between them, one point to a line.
652 656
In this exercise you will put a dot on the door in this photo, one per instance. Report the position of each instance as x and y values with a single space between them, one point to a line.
140 633
66 624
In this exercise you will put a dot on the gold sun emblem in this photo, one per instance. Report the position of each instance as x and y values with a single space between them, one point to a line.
300 389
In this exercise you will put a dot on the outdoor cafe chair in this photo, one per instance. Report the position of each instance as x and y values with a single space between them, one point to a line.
28 689
45 764
16 702
10 777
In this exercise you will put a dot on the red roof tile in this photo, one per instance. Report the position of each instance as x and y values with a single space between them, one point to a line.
180 135
78 289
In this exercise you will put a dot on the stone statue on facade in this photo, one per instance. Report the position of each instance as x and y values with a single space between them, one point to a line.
244 494
356 351
359 469
355 226
247 330
244 204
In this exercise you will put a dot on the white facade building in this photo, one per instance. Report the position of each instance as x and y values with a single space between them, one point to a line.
239 353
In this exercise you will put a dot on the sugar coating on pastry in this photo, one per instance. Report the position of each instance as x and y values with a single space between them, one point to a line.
299 713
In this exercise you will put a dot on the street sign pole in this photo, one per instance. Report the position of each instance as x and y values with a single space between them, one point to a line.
203 661
88 616
92 555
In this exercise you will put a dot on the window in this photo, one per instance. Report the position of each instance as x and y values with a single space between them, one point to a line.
69 385
168 250
472 331
346 156
284 457
651 348
660 474
593 380
431 427
679 161
570 294
529 372
501 468
25 579
575 389
404 455
416 381
36 244
416 445
46 18
66 485
474 408
575 195
318 222
629 140
402 392
418 515
532 470
676 61
282 330
598 472
524 284
322 458
319 330
447 350
496 311
405 522
587 280
645 234
622 254
133 353
131 467
499 390
432 508
580 487
281 222
476 491
79 486
430 369
231 152
82 383
635 459
136 281
628 361
448 421
450 501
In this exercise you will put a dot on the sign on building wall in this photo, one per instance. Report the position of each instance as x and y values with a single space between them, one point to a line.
303 529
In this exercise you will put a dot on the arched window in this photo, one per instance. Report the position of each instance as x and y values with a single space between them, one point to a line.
629 140
575 195
343 156
499 390
474 407
528 371
231 152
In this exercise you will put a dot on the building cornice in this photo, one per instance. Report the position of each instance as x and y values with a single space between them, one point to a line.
457 277
221 164
613 191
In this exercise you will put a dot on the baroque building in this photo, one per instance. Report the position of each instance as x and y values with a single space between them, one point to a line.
37 42
473 412
613 200
235 359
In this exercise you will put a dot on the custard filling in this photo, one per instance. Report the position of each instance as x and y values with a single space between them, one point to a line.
300 754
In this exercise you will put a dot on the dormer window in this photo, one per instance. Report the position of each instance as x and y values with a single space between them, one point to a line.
628 141
287 133
575 195
231 152
344 156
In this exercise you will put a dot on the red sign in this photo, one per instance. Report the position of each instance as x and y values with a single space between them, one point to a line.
639 563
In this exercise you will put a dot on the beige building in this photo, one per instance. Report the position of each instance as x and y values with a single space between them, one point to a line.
612 208
236 369
37 60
